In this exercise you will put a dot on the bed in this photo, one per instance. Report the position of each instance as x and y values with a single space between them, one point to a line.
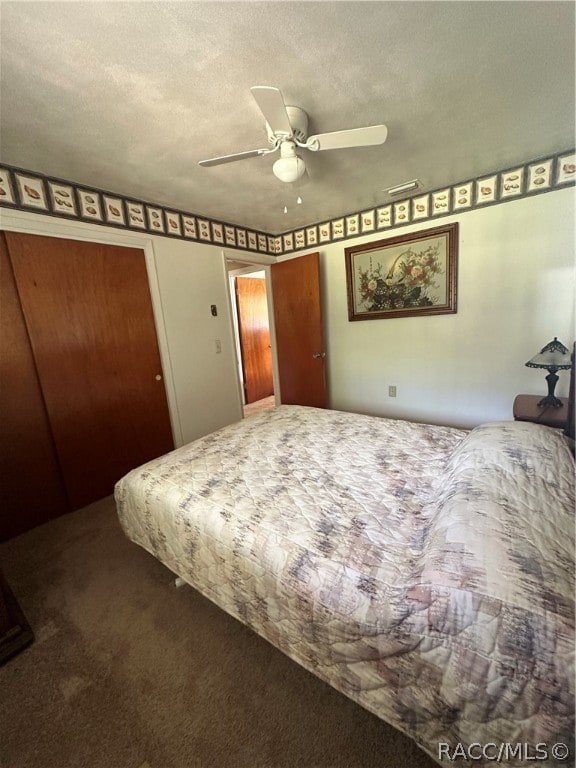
426 572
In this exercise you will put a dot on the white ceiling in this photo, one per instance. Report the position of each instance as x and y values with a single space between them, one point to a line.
129 96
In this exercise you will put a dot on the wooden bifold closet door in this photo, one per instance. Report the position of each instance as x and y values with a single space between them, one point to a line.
89 321
31 488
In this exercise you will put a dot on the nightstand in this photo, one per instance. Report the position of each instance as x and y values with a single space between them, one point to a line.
526 409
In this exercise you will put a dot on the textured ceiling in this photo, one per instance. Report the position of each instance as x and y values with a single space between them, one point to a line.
129 96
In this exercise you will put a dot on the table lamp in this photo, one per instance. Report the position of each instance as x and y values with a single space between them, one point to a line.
554 356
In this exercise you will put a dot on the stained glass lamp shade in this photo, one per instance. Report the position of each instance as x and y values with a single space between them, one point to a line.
554 357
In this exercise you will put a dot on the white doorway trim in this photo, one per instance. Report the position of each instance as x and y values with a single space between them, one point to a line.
248 264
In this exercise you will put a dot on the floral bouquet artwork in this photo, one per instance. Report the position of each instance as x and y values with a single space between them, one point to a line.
407 275
410 281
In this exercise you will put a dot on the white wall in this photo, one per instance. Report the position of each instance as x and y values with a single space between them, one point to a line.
516 291
192 277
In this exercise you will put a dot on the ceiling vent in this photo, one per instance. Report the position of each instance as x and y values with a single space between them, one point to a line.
400 189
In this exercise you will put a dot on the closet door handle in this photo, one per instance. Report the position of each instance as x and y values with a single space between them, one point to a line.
158 377
316 355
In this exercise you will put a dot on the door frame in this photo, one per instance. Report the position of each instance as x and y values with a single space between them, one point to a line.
34 224
250 263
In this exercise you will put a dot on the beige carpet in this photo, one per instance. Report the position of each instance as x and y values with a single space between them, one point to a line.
260 405
129 672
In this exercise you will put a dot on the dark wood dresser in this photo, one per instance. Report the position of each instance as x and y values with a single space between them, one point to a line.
15 632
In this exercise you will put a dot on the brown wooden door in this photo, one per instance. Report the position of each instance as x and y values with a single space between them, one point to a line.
254 334
31 487
299 330
89 317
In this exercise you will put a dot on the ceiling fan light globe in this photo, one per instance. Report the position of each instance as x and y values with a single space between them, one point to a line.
289 169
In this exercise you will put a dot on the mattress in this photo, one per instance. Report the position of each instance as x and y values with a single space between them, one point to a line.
426 572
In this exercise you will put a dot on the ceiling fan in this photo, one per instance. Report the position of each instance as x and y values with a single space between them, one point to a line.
287 129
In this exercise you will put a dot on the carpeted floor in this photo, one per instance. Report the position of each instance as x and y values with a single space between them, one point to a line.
260 405
129 672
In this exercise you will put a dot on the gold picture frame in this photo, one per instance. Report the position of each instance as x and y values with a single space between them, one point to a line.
404 276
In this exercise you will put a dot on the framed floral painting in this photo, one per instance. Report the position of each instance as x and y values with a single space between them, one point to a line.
403 276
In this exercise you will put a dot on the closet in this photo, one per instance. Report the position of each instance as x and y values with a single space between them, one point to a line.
82 397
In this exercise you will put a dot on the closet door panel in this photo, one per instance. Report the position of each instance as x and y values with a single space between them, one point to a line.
31 487
89 316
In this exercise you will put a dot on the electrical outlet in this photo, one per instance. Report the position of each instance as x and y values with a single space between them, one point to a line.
391 391
218 345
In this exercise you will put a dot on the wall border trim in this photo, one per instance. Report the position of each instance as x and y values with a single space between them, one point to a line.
33 192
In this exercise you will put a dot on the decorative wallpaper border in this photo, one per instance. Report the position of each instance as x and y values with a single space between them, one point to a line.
27 190
31 191
533 177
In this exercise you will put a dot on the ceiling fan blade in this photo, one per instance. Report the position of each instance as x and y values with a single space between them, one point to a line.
354 137
273 108
232 158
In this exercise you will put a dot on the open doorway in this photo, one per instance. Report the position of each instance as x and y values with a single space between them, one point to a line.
251 322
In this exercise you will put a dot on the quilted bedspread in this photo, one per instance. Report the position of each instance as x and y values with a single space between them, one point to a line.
425 572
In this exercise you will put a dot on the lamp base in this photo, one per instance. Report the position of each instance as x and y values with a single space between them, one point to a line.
550 402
